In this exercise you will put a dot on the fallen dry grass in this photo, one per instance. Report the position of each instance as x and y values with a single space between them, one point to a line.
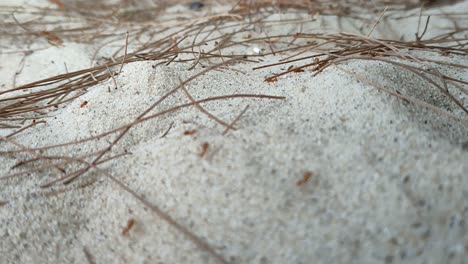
142 31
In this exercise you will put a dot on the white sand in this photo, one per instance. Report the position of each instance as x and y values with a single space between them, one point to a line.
389 180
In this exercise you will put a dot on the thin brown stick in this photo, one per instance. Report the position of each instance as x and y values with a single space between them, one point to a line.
195 239
199 107
411 100
170 110
125 55
235 120
377 22
25 128
88 255
112 76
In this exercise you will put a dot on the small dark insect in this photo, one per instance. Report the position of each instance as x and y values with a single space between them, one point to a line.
205 147
196 5
129 226
271 79
307 175
83 104
190 132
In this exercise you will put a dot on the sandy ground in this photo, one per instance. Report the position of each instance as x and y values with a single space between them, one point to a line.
389 180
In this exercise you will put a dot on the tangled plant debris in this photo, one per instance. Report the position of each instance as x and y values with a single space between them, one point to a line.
204 37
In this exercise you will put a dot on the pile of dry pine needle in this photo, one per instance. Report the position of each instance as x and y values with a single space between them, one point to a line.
140 31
